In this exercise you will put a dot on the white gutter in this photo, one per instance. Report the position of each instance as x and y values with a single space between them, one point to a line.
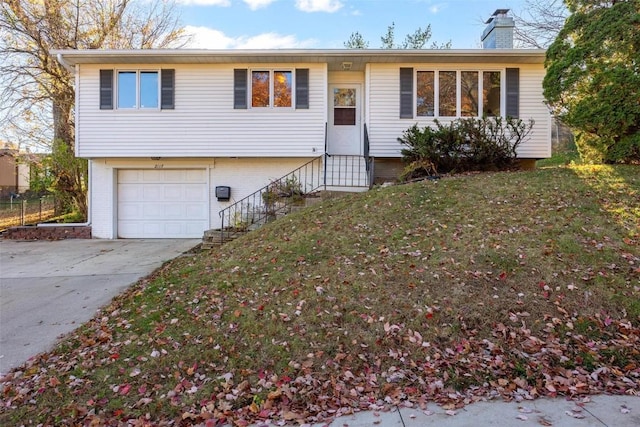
65 64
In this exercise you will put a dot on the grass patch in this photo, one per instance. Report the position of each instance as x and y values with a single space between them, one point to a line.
520 282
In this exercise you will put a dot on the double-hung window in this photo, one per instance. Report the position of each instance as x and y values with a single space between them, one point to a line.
447 93
262 88
271 88
138 89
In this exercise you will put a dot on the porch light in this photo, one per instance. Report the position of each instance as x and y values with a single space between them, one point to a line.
346 66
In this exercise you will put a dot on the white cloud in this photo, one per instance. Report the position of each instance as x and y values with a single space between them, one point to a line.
208 38
273 41
329 6
434 9
224 3
257 4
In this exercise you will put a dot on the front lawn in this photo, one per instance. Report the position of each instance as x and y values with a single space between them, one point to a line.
516 284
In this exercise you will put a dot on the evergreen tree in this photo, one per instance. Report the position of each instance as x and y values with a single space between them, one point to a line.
593 78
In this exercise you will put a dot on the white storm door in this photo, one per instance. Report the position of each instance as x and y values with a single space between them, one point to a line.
162 203
344 133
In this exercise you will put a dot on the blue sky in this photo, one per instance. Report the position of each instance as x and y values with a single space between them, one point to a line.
327 24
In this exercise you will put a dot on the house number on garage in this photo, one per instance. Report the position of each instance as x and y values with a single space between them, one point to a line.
158 166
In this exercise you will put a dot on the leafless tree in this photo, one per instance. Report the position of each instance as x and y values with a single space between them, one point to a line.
37 93
539 21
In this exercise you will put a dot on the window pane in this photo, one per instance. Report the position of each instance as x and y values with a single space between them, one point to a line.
448 93
491 93
282 88
148 89
425 91
344 97
469 88
344 116
259 88
127 89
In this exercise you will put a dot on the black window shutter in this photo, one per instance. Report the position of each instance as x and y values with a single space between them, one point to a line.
302 88
406 93
106 89
167 89
240 88
513 92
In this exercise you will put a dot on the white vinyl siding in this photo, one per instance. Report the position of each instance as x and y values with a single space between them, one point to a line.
385 126
204 122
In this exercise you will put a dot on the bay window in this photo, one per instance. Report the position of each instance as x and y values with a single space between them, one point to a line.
448 93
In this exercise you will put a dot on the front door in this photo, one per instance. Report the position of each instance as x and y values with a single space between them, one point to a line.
344 131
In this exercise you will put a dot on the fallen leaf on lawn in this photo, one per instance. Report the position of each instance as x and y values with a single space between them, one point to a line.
450 412
624 409
124 389
573 414
522 417
289 415
544 422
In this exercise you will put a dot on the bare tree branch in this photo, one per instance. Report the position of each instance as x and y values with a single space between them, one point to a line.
540 21
36 92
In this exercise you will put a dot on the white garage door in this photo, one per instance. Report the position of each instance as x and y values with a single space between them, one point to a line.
162 203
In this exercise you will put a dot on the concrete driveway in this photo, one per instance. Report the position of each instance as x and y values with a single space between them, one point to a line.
49 288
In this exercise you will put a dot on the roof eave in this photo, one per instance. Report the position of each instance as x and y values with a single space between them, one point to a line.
201 56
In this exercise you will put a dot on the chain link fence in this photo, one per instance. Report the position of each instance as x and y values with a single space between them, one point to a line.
18 212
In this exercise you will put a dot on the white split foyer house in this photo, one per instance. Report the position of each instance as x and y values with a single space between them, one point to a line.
167 132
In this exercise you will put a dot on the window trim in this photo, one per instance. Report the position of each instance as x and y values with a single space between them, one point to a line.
436 91
272 71
138 72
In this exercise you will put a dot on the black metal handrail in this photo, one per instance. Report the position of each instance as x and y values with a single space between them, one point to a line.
366 143
275 198
368 160
280 194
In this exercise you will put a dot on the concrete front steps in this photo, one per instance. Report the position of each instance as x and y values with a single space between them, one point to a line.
215 238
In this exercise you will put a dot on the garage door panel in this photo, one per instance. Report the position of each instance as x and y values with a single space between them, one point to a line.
125 176
174 211
194 192
128 192
173 175
162 203
130 210
173 192
153 175
153 211
151 192
195 211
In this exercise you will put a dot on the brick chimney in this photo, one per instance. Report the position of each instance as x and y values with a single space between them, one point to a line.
499 31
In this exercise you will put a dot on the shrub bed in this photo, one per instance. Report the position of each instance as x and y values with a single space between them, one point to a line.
468 144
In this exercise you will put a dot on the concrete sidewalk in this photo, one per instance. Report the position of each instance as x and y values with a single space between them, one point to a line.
49 288
597 411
